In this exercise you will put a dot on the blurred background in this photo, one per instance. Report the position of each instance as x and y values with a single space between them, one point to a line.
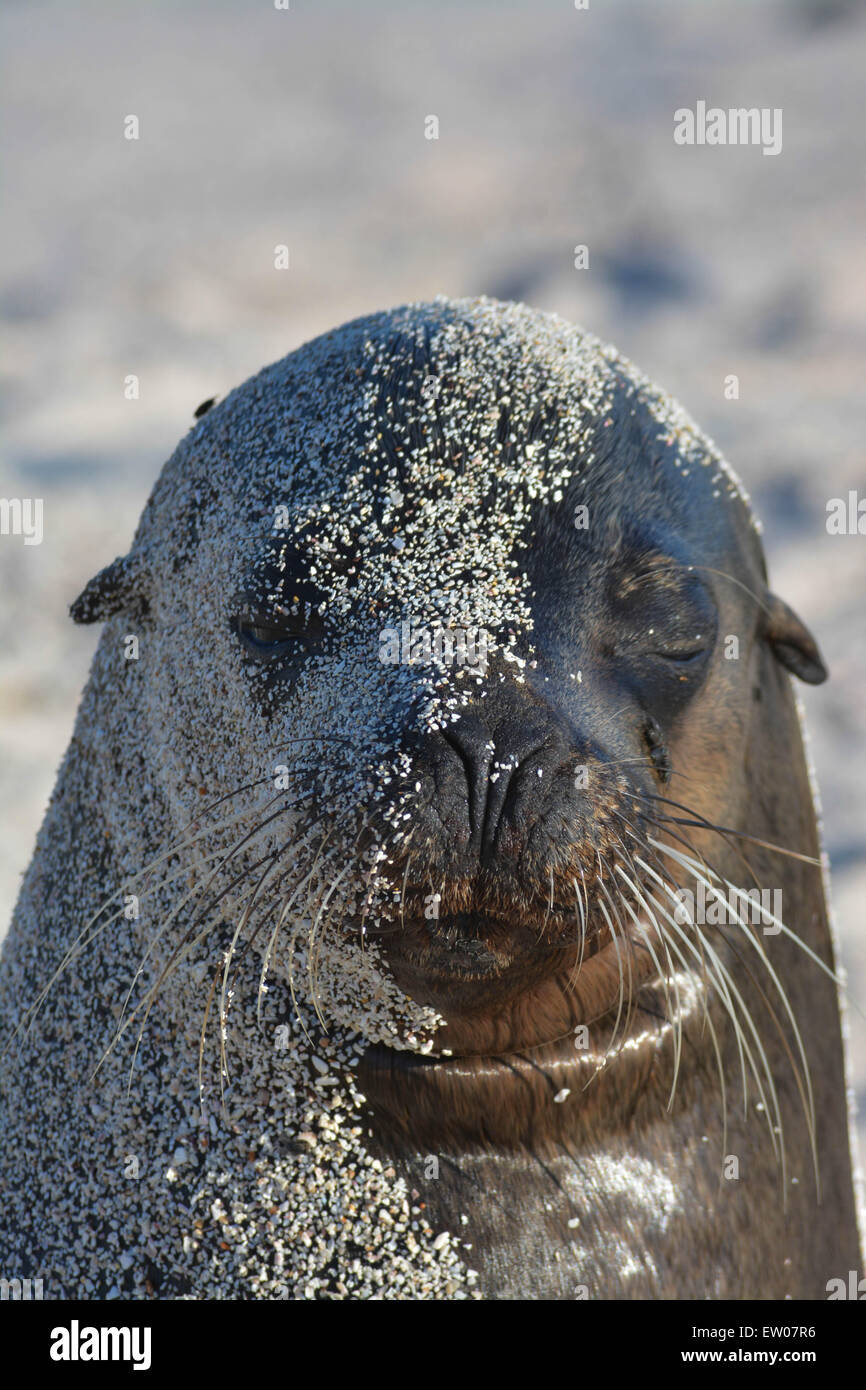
259 127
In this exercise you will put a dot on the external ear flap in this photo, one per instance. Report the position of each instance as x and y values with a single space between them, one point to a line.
792 642
118 588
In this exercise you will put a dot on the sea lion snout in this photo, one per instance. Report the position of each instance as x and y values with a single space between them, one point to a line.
515 809
499 804
493 778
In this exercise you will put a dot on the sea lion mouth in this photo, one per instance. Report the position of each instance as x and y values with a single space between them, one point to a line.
502 986
539 1018
481 946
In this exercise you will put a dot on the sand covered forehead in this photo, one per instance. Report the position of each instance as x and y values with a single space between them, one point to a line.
390 471
413 444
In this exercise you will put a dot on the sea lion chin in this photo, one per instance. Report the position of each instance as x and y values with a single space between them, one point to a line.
440 728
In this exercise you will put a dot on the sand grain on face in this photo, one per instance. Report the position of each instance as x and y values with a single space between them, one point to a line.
398 463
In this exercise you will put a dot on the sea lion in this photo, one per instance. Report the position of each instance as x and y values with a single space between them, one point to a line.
388 886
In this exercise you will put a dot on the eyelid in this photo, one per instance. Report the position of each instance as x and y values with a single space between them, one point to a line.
278 638
286 624
682 656
263 641
666 574
280 630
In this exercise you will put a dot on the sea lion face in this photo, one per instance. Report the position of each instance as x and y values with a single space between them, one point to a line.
454 589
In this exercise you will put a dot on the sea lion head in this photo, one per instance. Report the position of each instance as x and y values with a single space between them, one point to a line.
441 603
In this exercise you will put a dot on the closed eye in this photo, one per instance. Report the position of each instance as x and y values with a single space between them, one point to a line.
267 640
667 613
682 657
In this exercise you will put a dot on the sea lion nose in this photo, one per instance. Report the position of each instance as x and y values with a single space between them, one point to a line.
502 772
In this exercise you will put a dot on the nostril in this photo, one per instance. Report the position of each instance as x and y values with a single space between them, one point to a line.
516 767
470 738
